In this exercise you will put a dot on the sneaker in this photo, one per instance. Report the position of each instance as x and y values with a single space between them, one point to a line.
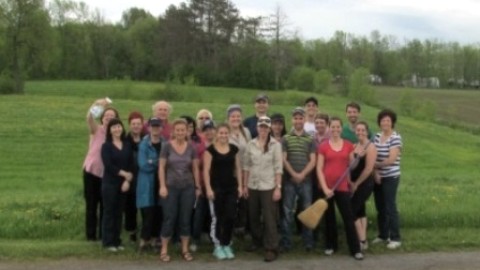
394 244
120 248
228 252
193 247
219 253
378 240
329 252
358 256
270 256
363 245
112 249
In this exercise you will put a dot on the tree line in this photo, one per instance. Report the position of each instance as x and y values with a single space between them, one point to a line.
207 42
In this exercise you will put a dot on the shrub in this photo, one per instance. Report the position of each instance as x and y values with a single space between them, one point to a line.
7 84
302 78
323 80
359 89
407 103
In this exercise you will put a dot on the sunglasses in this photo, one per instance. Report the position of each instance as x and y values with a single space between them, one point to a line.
264 121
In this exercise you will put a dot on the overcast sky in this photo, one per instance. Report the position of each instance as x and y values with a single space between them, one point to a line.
445 20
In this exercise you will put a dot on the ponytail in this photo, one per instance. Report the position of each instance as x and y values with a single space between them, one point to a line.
265 147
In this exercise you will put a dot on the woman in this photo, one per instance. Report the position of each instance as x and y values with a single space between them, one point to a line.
202 116
135 122
223 188
117 157
239 136
278 127
93 170
263 178
147 186
200 211
333 161
389 145
362 180
179 185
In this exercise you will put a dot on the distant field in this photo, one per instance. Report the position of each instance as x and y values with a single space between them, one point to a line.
44 140
453 105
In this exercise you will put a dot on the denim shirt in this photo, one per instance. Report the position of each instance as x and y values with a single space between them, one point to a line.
261 166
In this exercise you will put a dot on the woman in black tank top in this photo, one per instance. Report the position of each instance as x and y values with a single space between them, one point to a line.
222 176
362 180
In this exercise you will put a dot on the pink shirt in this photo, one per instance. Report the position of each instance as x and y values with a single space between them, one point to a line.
93 161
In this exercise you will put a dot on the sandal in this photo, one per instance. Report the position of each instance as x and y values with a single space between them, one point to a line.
164 257
187 256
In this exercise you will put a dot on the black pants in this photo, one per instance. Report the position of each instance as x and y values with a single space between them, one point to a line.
222 210
151 222
130 210
113 202
92 192
360 198
342 200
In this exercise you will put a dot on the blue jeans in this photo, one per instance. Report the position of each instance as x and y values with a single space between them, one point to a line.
178 205
386 203
292 192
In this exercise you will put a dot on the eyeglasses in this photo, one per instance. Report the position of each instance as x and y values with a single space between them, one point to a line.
264 121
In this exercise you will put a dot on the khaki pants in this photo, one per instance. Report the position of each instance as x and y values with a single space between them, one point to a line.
261 205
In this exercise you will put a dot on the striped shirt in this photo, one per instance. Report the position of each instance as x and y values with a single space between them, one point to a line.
298 149
383 152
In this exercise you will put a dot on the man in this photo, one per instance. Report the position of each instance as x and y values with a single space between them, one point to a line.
261 109
299 161
162 109
353 114
311 109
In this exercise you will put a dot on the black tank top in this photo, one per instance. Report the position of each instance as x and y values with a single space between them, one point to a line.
222 169
357 171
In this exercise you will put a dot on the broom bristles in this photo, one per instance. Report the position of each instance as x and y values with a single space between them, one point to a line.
311 216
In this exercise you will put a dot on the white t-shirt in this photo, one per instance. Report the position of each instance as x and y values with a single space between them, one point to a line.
309 128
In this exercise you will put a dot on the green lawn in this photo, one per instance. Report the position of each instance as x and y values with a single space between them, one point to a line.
44 140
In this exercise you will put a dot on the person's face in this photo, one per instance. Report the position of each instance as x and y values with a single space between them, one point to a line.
155 130
202 118
116 131
263 130
190 129
235 119
298 121
209 134
335 128
277 127
386 123
180 131
107 116
352 115
261 106
136 126
361 132
162 111
321 126
311 108
222 135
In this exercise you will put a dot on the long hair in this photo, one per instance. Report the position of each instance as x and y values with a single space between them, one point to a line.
113 122
194 137
117 115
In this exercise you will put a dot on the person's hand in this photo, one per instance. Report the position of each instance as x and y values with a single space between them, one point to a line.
297 178
210 194
198 192
377 177
353 186
277 195
328 193
245 192
163 192
125 186
240 192
128 176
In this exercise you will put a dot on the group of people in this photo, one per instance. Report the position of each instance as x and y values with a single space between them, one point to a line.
249 175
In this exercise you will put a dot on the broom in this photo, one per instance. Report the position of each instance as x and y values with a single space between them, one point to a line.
311 216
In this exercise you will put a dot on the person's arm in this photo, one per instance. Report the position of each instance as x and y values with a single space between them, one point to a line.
371 157
238 170
310 166
394 151
321 177
246 170
92 125
108 164
162 163
207 163
278 169
144 163
196 176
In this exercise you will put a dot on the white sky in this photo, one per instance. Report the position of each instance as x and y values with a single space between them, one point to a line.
445 20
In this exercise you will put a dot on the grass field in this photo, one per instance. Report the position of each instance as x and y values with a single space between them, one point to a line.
44 140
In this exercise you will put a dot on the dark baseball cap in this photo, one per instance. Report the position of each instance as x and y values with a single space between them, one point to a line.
277 117
261 97
208 124
312 99
154 122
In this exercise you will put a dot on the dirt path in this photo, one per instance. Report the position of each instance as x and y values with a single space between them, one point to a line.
436 261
